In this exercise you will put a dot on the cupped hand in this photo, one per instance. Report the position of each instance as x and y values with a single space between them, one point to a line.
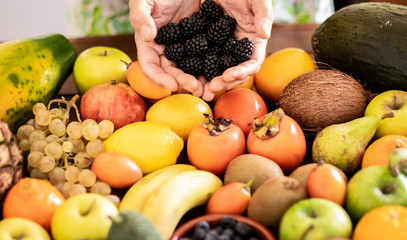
254 20
146 16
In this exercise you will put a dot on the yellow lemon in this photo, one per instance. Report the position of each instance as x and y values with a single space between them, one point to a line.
279 69
151 145
182 112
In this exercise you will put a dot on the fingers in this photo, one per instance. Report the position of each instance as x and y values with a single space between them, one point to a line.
141 20
217 84
263 17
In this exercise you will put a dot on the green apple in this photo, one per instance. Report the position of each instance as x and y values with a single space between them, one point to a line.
83 216
315 219
372 187
22 228
99 64
390 101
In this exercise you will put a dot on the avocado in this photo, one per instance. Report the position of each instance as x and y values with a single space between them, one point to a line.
132 225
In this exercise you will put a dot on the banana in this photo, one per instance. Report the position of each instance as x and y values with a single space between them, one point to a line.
137 194
171 200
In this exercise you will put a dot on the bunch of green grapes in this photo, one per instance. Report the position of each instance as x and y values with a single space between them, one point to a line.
62 151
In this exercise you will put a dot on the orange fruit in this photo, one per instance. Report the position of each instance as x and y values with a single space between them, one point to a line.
385 222
279 69
378 152
248 84
144 85
33 199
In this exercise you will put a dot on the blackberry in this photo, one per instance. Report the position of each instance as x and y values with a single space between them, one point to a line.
229 45
197 45
212 67
169 33
221 30
228 61
191 65
193 25
243 50
174 51
211 10
215 50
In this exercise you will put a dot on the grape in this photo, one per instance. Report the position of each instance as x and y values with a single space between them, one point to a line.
78 145
82 160
38 145
43 117
24 145
67 146
54 150
36 173
24 131
72 174
57 127
87 177
57 175
76 189
57 113
101 188
94 147
74 130
90 131
106 128
30 122
89 121
115 199
36 135
66 187
38 106
51 138
34 158
46 164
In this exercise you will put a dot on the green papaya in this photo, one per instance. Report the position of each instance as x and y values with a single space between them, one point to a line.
32 70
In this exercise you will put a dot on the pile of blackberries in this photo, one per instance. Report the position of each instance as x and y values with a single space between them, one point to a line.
203 44
228 229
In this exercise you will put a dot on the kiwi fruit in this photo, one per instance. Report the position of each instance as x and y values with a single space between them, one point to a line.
269 203
301 172
245 167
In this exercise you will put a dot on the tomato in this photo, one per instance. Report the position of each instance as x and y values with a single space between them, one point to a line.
279 138
328 182
232 198
212 144
116 169
143 85
33 199
242 106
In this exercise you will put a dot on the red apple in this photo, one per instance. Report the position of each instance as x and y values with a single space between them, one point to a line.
113 101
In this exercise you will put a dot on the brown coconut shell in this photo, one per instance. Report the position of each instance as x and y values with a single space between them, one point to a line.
321 98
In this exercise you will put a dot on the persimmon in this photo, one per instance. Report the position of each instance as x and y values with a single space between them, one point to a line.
279 138
214 143
378 152
33 199
116 169
392 222
327 181
232 198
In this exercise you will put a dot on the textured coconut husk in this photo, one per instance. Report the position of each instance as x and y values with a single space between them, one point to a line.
320 98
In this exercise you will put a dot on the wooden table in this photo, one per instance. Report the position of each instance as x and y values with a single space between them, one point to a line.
298 35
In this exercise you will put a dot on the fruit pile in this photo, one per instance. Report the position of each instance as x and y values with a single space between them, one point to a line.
303 151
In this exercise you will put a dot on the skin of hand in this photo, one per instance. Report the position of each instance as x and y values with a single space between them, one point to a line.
254 20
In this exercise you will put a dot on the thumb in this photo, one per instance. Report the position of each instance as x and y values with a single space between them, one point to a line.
263 17
141 20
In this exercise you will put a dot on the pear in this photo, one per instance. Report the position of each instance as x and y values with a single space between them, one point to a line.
344 144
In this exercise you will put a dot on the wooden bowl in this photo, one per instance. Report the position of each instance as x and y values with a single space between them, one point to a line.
187 228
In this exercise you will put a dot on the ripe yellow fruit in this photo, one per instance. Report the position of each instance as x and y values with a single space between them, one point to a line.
181 112
151 145
279 69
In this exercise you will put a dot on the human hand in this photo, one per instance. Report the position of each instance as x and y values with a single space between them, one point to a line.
254 20
146 16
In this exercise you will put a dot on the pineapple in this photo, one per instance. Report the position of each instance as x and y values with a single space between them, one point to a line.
11 160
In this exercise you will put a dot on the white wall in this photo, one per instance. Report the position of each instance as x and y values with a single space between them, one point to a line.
30 18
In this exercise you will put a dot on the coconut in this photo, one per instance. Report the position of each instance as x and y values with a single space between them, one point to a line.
321 98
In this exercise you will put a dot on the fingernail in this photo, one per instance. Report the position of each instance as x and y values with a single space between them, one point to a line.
266 28
145 32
